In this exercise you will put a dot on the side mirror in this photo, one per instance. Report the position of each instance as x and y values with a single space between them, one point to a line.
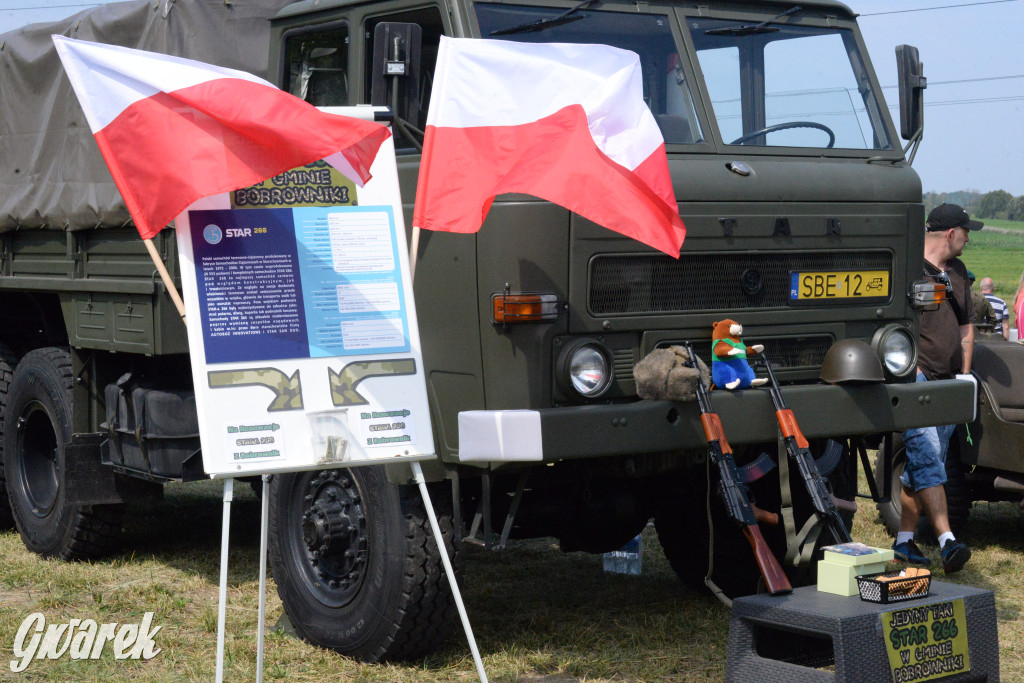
912 84
396 65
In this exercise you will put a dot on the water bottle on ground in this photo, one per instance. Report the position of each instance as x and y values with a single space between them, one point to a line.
625 560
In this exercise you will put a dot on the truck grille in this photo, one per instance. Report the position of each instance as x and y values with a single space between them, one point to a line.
642 284
805 352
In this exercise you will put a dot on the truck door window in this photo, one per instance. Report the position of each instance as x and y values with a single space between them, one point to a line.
796 86
666 90
317 65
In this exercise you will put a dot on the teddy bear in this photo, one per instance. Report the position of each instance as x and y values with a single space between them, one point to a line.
729 366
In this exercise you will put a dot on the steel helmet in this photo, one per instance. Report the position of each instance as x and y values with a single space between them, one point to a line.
851 361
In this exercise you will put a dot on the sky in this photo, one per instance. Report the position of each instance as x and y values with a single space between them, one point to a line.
973 58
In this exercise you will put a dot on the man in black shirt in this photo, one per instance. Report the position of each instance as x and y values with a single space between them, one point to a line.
947 346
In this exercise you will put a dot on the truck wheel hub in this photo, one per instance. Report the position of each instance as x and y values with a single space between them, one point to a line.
334 533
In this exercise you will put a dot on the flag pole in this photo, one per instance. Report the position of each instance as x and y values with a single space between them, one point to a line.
414 251
166 277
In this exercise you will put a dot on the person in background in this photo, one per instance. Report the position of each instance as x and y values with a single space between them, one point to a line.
1018 307
946 350
1002 311
984 315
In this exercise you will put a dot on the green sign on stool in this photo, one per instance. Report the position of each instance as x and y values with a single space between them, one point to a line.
927 642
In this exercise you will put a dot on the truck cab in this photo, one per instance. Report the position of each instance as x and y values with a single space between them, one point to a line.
803 221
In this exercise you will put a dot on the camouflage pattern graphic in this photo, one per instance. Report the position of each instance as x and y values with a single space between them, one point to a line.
343 384
288 390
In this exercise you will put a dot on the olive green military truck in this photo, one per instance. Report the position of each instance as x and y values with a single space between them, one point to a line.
804 222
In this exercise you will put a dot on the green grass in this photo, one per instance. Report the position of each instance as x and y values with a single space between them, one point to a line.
539 615
998 255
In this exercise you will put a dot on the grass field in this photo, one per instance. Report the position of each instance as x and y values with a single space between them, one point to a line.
539 616
998 254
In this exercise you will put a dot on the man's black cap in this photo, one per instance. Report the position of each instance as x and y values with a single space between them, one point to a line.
948 216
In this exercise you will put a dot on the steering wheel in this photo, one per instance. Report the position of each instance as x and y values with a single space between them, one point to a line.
786 126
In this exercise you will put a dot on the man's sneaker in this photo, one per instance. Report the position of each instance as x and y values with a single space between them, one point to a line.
909 552
954 556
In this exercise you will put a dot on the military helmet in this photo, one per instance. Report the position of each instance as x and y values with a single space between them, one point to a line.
851 361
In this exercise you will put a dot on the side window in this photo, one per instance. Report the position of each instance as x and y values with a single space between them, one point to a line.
429 20
317 65
721 67
676 115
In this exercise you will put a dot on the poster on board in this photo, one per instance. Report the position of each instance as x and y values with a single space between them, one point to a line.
301 324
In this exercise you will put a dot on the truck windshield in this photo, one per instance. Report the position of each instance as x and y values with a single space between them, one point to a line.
793 86
666 90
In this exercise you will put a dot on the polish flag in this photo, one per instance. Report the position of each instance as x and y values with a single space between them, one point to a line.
174 130
563 122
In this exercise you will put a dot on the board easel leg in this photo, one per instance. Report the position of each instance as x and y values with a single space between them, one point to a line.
439 539
261 622
229 487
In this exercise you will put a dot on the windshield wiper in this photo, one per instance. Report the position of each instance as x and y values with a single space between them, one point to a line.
565 17
749 30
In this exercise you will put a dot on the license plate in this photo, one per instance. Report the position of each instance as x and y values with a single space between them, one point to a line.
839 284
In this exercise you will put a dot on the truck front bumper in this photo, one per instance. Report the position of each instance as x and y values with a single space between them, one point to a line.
748 416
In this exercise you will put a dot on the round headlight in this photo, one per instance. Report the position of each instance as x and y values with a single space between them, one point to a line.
896 348
586 368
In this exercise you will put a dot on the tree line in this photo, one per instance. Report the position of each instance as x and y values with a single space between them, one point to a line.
998 204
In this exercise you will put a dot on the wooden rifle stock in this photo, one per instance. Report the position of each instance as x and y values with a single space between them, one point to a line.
764 517
775 580
734 492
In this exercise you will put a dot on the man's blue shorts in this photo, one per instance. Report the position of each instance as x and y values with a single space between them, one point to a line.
926 454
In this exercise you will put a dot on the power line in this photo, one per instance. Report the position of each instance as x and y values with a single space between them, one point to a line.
980 100
950 103
926 9
963 80
46 7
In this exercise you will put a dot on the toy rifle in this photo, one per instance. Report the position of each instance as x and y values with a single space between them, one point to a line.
799 450
734 492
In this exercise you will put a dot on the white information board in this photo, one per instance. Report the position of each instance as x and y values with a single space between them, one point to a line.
301 324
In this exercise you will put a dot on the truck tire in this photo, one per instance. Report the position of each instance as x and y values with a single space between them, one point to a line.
684 534
843 480
8 360
683 526
958 497
958 492
36 428
356 564
684 540
891 511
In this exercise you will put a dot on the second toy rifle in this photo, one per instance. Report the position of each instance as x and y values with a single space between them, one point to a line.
733 491
800 451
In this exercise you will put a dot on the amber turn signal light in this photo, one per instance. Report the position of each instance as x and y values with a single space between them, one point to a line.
523 308
927 294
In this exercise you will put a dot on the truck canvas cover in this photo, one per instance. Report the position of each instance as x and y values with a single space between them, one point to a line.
52 175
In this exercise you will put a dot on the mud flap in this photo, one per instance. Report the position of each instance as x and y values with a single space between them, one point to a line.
88 480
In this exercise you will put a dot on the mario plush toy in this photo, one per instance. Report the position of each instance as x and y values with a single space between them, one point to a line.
729 366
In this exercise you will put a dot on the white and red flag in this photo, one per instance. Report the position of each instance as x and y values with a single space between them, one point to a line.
563 122
174 130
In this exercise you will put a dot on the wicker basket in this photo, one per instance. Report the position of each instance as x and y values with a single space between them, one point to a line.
895 589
